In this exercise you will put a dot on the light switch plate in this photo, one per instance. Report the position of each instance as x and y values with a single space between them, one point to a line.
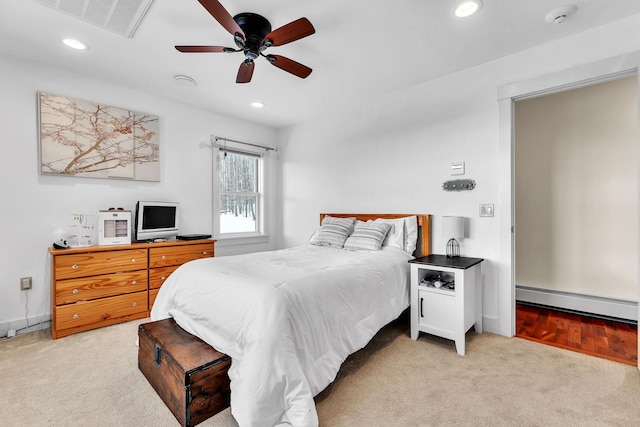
486 210
457 168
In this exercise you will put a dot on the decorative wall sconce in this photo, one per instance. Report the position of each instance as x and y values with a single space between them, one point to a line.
459 185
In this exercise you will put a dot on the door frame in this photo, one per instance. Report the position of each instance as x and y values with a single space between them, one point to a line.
584 75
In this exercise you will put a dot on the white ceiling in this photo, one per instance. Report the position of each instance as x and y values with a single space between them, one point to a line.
361 48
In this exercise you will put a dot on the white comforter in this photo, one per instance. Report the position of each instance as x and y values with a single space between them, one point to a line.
287 318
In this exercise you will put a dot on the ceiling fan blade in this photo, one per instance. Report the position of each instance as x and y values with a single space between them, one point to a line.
204 49
245 72
290 66
289 33
222 16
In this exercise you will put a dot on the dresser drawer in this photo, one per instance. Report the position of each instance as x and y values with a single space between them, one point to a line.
94 263
106 285
179 254
153 293
90 312
157 276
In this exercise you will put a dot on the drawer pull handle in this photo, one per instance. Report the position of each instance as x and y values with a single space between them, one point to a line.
74 266
75 316
133 304
163 277
204 252
164 257
133 260
75 291
134 282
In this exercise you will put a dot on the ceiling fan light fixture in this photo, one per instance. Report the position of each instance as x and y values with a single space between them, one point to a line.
468 8
74 44
183 80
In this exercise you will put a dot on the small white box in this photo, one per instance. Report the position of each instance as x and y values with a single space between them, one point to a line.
114 227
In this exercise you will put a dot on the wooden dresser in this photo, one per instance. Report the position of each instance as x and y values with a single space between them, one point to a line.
166 258
102 285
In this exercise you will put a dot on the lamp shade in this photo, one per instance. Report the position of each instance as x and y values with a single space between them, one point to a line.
453 227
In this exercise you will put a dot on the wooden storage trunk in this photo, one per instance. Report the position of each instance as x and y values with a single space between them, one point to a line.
188 374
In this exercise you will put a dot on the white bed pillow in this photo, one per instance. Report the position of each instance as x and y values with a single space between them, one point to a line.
333 232
396 235
403 235
411 233
367 236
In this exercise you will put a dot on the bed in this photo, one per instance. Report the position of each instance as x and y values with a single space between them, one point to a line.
289 318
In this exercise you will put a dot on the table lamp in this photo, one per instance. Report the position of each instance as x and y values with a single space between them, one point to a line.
453 228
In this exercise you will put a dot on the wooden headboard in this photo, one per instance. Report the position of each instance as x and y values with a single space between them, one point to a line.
424 227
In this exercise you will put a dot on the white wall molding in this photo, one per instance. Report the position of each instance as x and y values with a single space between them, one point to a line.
611 307
584 75
24 326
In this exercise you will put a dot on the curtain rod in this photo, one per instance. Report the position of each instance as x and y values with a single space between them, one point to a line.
219 138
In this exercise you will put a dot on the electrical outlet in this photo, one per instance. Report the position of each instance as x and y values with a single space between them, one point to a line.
25 283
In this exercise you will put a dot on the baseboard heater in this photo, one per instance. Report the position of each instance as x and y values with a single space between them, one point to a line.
610 307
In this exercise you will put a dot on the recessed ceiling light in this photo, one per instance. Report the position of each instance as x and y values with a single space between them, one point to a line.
257 104
183 80
468 8
74 44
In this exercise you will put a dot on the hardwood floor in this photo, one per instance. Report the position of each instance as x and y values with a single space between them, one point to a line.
608 339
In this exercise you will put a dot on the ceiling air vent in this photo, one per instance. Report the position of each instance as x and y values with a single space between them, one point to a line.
119 16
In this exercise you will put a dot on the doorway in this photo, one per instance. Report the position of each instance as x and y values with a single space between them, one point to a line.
576 204
610 68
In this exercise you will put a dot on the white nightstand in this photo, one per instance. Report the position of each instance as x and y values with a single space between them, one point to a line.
451 309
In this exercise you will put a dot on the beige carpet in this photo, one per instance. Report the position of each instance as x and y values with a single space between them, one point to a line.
92 379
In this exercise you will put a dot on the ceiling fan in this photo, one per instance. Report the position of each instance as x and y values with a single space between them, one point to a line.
252 34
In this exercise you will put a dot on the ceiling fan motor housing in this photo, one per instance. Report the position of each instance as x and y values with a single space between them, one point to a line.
255 28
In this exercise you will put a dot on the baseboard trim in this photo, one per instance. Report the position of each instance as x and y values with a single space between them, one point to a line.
602 306
35 323
490 324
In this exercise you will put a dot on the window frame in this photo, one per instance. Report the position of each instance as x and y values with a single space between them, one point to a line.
249 237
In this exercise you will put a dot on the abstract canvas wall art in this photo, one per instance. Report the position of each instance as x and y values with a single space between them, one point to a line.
83 138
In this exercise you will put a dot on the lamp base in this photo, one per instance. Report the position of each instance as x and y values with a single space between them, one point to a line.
453 249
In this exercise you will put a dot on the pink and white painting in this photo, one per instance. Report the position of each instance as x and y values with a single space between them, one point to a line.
82 138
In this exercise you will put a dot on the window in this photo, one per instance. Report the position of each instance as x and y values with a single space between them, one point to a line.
240 195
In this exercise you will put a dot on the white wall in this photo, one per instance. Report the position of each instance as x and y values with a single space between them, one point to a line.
392 155
33 205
